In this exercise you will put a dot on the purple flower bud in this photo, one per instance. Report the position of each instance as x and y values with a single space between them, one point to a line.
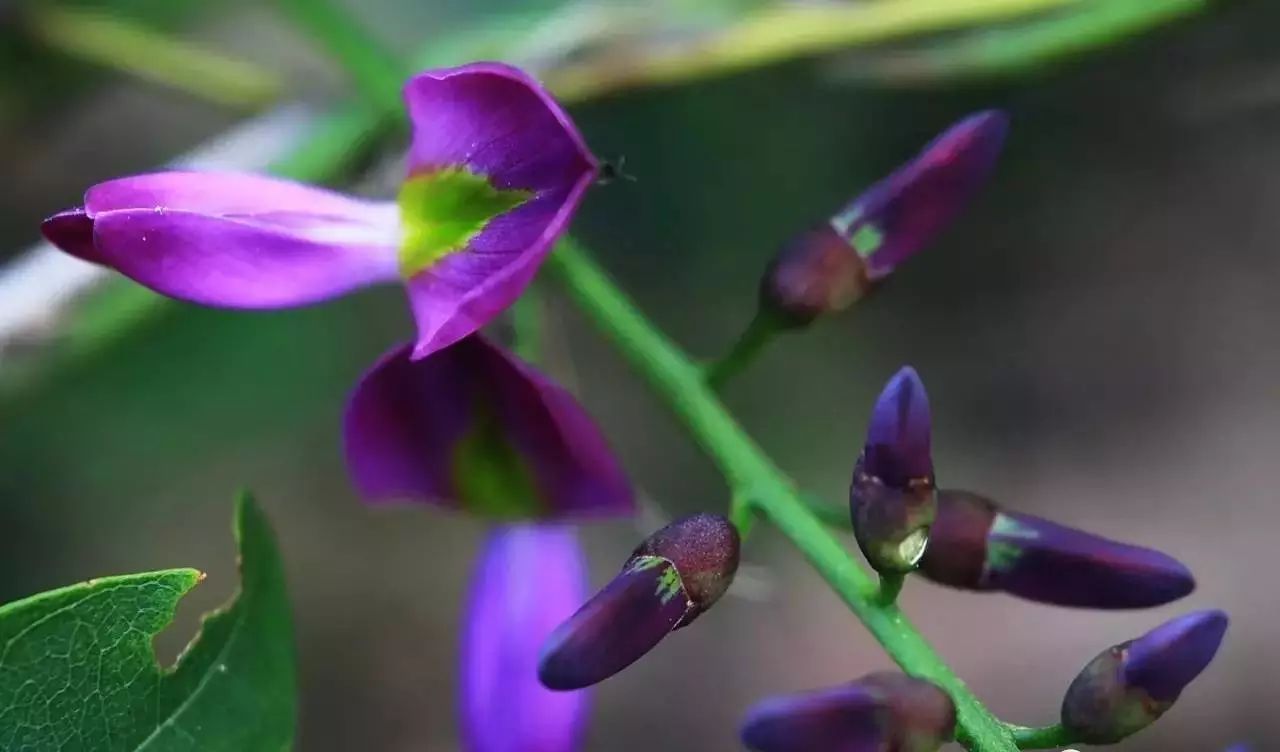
815 273
882 712
1129 686
906 211
891 499
670 579
528 579
975 545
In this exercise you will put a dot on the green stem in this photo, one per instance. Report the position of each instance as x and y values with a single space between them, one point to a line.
890 587
1046 737
526 324
376 72
100 38
758 334
753 476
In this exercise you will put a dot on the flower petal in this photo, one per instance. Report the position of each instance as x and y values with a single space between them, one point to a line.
838 719
72 231
529 578
493 123
898 434
230 194
474 426
621 623
498 122
1165 660
278 262
907 210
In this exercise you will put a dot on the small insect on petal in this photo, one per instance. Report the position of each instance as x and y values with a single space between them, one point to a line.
671 578
1129 686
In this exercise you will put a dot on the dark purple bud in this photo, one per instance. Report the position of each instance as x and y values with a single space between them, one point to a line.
882 712
891 499
906 211
670 579
815 273
1129 686
975 545
898 435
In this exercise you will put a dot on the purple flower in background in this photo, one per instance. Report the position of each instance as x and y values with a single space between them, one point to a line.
826 268
976 545
529 578
1130 685
474 427
669 580
891 498
881 712
496 171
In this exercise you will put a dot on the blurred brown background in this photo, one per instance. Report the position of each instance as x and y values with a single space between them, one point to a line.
1098 338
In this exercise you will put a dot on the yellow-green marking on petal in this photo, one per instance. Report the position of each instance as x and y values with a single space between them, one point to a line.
442 211
491 478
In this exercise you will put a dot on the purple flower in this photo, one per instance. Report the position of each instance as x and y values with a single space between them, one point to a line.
1130 685
891 498
496 170
882 712
528 579
670 579
906 211
976 545
475 427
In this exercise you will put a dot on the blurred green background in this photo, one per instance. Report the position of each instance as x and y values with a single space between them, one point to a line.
1097 334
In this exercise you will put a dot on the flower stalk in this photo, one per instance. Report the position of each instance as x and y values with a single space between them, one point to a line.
752 476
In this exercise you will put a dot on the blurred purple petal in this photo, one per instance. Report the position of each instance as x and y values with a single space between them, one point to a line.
881 711
838 719
616 627
529 578
899 432
474 427
499 124
72 231
906 211
1165 660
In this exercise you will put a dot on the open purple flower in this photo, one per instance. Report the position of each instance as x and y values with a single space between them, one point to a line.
670 579
496 170
1128 686
976 545
528 579
881 712
891 498
473 426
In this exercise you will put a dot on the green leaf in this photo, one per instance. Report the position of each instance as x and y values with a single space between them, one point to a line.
78 672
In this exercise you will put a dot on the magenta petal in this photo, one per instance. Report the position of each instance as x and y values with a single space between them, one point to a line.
529 578
498 123
473 426
72 231
235 263
839 719
229 194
